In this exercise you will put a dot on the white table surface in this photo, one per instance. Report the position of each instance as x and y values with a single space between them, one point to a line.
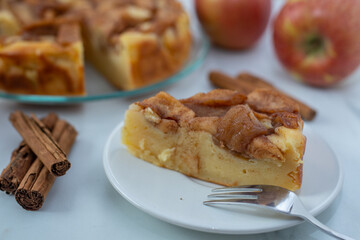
83 204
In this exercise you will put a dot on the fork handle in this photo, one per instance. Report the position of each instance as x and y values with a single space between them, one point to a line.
304 214
326 229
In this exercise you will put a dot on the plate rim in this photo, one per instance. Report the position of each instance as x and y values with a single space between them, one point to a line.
317 210
293 222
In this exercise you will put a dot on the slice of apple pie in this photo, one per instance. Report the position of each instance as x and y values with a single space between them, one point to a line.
222 136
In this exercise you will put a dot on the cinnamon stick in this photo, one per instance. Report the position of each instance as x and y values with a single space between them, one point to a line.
252 80
246 83
39 139
38 180
21 159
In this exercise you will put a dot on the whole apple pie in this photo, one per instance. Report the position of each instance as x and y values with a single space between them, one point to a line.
46 58
222 136
133 43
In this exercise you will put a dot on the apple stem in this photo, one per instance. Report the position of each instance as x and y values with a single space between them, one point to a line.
313 44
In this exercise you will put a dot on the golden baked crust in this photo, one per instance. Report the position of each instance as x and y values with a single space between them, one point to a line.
221 136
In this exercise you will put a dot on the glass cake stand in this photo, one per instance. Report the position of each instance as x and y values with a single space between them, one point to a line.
98 88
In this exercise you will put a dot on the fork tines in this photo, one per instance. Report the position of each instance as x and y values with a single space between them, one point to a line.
234 195
249 188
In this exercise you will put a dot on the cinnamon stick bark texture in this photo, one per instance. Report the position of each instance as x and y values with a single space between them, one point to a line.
21 159
246 83
39 139
38 181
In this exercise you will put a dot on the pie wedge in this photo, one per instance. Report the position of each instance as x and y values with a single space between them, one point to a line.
222 136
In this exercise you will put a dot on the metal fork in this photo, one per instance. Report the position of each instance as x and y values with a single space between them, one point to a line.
271 197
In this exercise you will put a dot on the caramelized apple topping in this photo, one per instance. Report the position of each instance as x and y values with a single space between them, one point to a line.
216 98
49 9
238 128
207 124
68 33
112 18
261 148
289 120
270 101
65 31
30 11
238 122
168 126
214 103
167 107
207 111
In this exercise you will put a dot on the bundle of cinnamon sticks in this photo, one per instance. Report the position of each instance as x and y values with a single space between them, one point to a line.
39 159
246 83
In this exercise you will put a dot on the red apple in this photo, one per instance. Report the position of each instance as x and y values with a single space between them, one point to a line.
318 41
233 24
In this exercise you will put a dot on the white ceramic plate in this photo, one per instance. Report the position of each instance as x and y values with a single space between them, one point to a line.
178 199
